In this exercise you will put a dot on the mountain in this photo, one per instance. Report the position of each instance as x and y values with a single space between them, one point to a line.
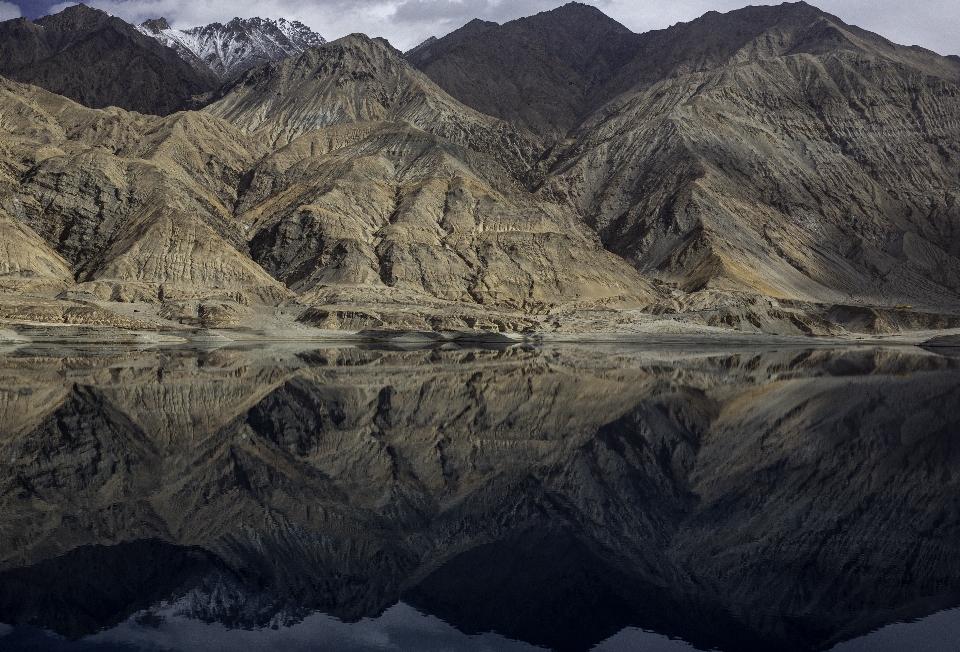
232 49
98 60
190 207
779 150
544 73
381 179
770 169
776 150
137 206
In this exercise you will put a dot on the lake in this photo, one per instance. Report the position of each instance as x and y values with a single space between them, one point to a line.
661 497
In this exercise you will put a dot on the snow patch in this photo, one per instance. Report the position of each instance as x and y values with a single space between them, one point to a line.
232 49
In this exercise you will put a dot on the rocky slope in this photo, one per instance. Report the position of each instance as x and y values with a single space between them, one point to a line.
395 213
137 206
740 502
189 207
800 174
381 179
27 262
817 161
99 60
773 149
769 170
232 49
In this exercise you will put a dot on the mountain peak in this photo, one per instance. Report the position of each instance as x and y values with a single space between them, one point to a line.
475 26
155 24
535 72
230 50
477 23
75 16
421 46
575 9
585 21
80 9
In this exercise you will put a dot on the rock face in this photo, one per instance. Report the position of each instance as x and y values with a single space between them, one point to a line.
139 207
99 60
773 149
383 181
230 50
785 498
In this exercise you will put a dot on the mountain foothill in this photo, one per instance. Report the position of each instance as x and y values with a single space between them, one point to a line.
769 170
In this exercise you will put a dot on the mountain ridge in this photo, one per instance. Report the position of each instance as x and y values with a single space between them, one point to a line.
228 50
770 169
542 75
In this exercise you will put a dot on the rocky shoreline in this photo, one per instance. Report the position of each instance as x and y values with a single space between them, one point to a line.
53 320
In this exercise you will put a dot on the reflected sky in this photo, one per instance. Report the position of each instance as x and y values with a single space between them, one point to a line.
403 628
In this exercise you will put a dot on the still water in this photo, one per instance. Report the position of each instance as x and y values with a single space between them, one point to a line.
573 498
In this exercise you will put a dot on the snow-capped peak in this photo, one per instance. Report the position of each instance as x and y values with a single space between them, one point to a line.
232 49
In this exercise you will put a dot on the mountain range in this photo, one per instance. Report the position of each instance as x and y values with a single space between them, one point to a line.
769 169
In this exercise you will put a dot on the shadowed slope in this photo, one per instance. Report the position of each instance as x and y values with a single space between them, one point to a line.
545 73
99 61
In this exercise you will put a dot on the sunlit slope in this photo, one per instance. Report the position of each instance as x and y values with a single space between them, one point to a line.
102 185
781 151
386 208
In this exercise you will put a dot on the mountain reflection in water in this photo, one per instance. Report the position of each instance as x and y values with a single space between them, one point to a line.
501 499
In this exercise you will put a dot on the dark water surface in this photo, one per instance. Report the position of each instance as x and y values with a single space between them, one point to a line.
355 498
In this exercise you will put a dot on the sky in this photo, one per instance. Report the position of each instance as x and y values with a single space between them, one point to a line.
405 23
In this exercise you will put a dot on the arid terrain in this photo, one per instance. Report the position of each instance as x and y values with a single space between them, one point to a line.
771 170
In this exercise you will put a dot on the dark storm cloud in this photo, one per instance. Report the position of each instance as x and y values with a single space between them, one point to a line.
930 23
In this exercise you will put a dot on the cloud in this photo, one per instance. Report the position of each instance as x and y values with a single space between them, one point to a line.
930 23
60 6
9 11
331 18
